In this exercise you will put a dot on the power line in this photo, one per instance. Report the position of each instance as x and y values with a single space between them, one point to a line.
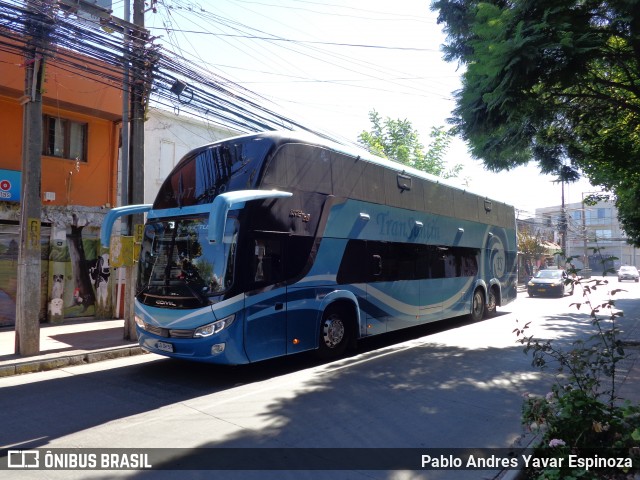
339 60
289 40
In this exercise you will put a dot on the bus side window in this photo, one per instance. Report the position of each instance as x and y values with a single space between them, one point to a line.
437 256
266 261
354 266
260 252
423 262
297 255
470 263
376 265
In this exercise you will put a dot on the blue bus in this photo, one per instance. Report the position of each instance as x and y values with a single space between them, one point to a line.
276 243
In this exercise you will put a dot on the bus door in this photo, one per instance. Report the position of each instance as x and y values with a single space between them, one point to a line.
430 272
393 290
265 300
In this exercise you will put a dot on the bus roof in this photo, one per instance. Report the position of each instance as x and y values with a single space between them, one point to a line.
280 137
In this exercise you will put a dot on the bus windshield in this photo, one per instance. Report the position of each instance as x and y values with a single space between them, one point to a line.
178 266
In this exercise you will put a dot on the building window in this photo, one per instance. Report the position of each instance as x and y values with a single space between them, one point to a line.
64 138
599 216
604 214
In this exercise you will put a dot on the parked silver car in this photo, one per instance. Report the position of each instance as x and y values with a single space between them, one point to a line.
628 272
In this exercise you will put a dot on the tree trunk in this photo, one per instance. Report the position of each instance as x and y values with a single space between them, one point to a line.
83 293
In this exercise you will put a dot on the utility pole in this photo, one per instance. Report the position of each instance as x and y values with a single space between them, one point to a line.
27 339
585 258
563 225
138 100
136 151
126 81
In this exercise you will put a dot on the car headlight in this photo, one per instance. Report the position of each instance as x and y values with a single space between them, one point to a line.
530 284
215 327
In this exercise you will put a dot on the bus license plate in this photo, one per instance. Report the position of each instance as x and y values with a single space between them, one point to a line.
164 346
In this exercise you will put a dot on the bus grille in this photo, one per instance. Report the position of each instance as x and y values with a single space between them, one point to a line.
165 332
181 333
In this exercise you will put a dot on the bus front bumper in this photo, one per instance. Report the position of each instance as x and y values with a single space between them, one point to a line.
219 349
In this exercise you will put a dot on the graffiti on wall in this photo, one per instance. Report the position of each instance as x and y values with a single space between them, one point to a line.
79 275
75 273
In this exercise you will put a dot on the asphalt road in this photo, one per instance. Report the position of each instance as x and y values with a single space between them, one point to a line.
453 385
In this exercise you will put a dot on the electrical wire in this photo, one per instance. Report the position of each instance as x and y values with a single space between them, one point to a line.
82 46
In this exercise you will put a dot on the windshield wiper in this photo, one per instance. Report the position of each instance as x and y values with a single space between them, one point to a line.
195 293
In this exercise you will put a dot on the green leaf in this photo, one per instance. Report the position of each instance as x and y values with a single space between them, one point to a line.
553 82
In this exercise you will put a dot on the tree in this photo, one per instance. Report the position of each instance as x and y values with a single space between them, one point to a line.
531 246
397 140
84 291
555 82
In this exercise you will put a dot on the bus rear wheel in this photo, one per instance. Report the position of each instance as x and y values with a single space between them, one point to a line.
477 305
334 334
492 303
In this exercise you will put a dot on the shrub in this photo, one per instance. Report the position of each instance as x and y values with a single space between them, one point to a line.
582 414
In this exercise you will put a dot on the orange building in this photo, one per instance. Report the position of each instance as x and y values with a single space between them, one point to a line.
82 112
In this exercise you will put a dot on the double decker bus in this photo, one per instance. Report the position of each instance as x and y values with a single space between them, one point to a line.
276 243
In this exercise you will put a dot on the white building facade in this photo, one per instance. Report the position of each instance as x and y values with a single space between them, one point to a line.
593 235
167 138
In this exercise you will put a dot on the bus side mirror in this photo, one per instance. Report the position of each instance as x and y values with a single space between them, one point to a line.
113 215
228 200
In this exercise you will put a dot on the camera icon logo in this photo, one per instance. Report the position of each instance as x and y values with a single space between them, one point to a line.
23 459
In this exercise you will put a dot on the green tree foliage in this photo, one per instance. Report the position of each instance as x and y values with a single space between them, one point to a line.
397 140
531 245
553 81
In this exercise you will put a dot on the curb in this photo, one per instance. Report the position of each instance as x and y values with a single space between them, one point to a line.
531 440
45 364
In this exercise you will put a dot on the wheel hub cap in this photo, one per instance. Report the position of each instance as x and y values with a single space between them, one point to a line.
333 332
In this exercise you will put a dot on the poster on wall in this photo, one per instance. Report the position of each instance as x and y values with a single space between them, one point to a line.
74 271
9 246
79 275
10 185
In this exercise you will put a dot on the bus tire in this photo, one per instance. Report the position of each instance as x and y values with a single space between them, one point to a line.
334 333
492 303
477 305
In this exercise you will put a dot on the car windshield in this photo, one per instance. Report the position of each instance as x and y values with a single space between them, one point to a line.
628 269
549 274
178 266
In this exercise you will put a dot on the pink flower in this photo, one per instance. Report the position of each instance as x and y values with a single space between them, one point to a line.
556 442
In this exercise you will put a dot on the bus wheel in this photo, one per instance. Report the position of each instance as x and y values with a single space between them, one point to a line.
334 334
492 302
477 306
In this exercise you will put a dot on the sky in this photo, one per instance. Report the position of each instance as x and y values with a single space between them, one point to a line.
328 64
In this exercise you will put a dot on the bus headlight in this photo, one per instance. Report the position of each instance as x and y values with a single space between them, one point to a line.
139 321
215 327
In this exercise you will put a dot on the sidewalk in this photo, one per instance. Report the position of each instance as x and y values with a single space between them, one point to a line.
70 343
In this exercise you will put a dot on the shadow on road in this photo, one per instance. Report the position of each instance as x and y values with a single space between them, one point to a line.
389 393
